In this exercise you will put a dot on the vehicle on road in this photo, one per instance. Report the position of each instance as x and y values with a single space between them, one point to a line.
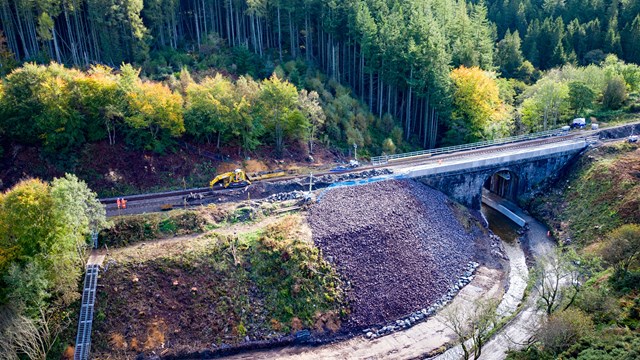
579 123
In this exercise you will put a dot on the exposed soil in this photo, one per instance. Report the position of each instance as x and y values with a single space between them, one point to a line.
120 170
212 293
400 244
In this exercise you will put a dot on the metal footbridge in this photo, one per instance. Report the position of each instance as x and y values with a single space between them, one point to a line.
83 338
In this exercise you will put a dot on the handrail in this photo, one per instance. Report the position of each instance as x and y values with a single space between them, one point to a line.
377 160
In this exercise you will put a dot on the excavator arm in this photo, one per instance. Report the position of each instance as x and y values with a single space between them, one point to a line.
220 177
237 178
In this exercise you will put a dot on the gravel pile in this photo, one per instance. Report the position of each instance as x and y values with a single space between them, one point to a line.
398 243
293 195
332 178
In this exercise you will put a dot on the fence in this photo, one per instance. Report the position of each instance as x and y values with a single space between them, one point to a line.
378 160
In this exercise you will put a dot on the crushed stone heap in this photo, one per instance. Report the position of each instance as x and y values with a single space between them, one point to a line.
399 244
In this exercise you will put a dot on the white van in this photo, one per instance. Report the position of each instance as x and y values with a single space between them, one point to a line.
579 123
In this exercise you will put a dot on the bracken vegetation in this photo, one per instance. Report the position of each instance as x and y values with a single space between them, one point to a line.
261 285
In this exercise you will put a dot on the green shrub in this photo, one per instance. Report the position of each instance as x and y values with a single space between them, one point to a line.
616 344
563 329
167 226
138 228
599 304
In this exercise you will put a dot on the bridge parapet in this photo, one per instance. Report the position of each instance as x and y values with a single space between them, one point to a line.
498 159
383 159
463 178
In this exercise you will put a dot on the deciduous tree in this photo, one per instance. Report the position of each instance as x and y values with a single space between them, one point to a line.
560 278
581 97
545 104
309 105
477 105
208 108
615 94
472 325
563 329
278 100
152 107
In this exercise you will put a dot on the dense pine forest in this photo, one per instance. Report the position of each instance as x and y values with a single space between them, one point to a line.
385 75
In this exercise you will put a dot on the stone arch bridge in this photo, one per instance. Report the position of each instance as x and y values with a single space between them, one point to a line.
515 173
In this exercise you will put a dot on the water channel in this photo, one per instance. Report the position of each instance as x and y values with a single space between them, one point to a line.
502 226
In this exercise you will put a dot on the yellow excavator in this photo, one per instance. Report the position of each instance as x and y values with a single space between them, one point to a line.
236 178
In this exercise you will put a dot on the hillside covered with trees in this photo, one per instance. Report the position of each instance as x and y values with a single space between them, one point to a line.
111 90
387 76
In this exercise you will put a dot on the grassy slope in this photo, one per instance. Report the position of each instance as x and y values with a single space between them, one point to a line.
600 192
263 285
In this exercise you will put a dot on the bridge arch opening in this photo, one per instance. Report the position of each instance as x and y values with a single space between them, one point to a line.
503 183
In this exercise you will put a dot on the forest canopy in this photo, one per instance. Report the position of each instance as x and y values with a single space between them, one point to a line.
399 59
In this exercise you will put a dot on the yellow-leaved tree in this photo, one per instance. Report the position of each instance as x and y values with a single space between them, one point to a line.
478 112
155 108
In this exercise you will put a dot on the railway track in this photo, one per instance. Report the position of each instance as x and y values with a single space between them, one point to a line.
154 201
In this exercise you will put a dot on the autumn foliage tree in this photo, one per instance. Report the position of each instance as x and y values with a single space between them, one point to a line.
155 108
208 108
477 107
43 234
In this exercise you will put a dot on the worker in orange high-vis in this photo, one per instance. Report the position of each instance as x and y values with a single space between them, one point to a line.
119 203
124 203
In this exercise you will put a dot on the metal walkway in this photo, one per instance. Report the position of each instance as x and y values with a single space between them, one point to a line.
83 339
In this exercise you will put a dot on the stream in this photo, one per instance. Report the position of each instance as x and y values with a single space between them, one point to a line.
506 229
